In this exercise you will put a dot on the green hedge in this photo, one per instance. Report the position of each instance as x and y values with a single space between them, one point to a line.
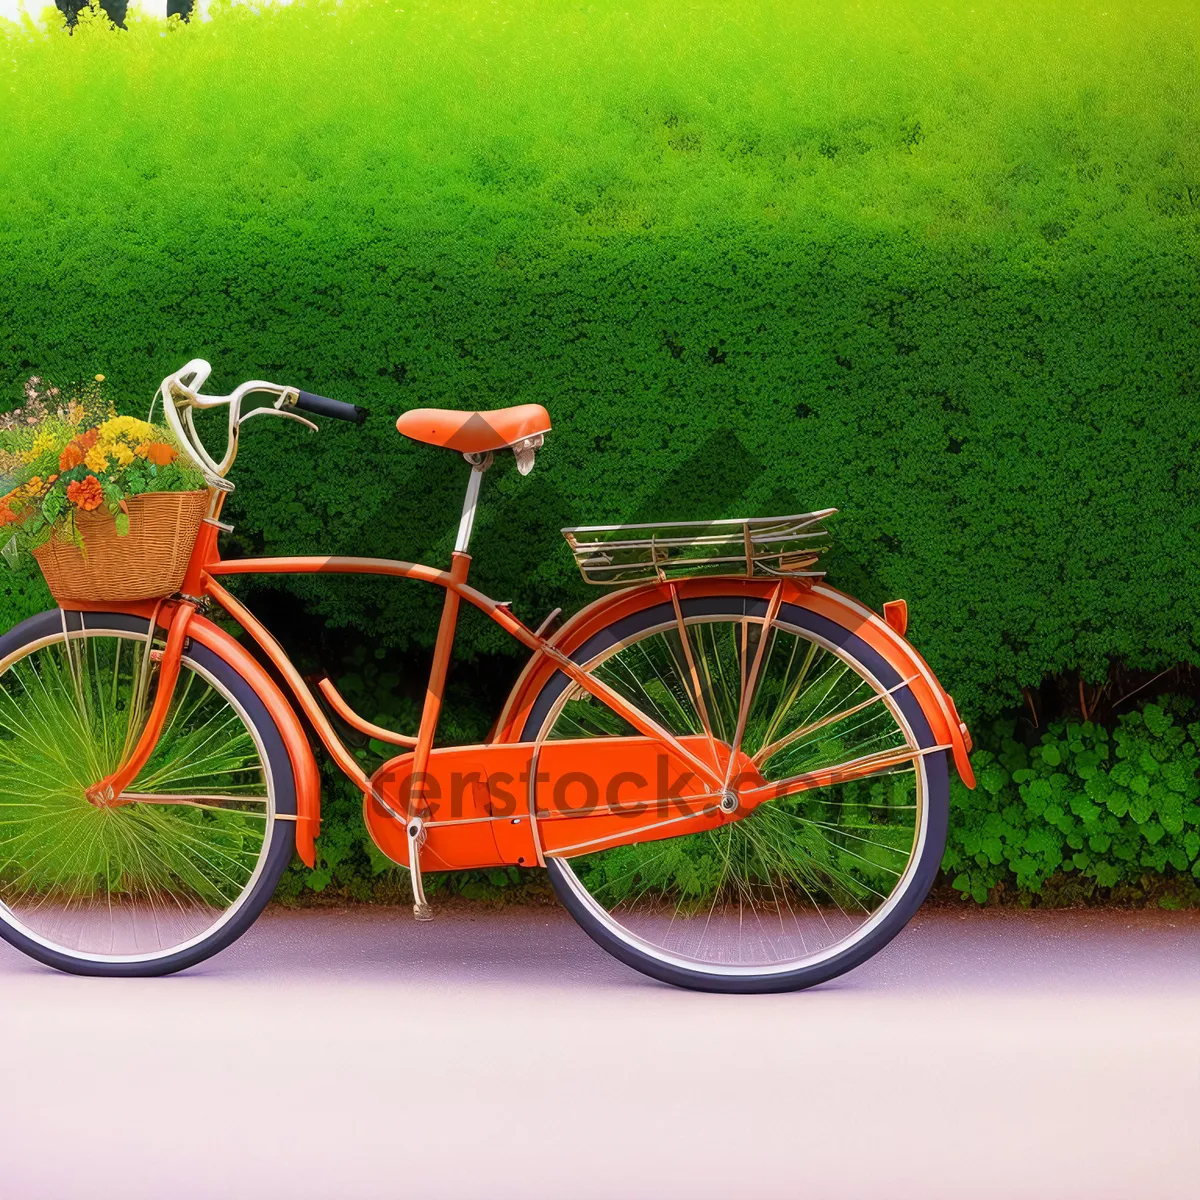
937 268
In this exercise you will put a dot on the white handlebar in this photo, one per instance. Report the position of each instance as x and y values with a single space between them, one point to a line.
180 395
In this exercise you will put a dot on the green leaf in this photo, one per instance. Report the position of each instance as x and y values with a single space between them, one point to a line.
1141 808
993 778
1170 813
1157 721
1037 794
1118 802
122 522
52 505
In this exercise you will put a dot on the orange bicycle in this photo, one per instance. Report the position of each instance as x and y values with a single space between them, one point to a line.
736 776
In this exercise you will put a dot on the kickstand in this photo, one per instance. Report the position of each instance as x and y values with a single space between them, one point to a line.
416 839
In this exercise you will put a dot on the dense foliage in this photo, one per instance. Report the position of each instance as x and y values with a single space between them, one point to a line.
1113 809
937 267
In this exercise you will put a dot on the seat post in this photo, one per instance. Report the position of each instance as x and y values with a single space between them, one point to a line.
479 464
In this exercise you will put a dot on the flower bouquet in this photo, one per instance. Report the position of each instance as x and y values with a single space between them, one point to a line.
105 503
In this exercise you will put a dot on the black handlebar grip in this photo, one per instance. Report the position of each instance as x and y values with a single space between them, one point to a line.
322 406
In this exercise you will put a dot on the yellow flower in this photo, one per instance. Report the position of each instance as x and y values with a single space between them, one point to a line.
43 442
97 457
124 454
99 378
126 427
33 486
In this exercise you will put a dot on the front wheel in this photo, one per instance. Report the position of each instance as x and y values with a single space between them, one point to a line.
804 887
180 869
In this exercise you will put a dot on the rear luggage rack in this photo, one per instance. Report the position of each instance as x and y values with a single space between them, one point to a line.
749 546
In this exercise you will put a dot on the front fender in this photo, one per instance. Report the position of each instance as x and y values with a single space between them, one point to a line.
308 777
212 637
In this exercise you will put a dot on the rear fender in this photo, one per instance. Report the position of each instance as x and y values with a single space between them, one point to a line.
936 702
843 610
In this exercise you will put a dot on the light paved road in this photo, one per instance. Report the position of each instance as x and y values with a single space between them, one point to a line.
360 1055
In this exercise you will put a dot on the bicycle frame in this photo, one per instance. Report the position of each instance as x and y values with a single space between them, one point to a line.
401 799
516 830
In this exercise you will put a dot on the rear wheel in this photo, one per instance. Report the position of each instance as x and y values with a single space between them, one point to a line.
180 870
803 887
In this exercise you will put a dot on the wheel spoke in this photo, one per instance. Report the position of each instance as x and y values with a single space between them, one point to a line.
841 773
750 680
693 676
806 731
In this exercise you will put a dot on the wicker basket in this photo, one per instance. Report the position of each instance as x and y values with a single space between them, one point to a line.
148 562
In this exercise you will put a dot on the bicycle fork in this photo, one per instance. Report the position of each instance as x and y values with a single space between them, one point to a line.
107 792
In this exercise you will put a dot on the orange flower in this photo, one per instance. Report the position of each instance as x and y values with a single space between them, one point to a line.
85 493
76 450
7 516
159 453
